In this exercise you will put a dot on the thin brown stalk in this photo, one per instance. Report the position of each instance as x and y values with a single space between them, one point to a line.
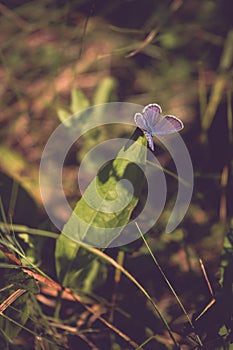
50 283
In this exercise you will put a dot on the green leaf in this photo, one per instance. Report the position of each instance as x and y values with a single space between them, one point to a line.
18 280
107 203
14 165
70 259
78 101
97 220
13 280
93 276
19 312
63 116
105 91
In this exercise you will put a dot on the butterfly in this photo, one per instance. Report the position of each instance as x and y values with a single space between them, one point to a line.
152 123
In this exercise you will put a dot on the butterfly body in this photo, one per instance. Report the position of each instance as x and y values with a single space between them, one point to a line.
151 122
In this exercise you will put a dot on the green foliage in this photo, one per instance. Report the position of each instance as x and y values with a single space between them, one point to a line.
18 280
91 224
176 53
18 312
215 322
105 92
78 101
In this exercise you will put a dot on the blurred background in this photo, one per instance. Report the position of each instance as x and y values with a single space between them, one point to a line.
60 56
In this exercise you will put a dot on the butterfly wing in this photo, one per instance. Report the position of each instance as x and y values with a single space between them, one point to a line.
142 124
140 121
167 125
152 114
152 123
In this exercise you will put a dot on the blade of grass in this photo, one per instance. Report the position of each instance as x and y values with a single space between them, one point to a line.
7 302
111 261
29 230
106 258
147 41
117 278
46 280
27 329
2 211
13 198
206 276
185 183
223 197
229 117
202 91
168 283
220 82
8 247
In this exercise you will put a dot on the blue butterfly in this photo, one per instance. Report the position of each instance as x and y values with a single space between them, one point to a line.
152 123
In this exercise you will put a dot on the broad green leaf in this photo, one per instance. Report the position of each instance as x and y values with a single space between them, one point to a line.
99 221
106 206
70 259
